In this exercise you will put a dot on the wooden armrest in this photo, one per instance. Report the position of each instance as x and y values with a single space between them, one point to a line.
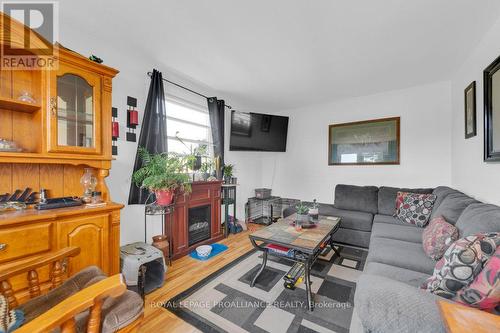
65 311
31 265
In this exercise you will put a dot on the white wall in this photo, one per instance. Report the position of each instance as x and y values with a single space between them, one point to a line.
302 172
470 173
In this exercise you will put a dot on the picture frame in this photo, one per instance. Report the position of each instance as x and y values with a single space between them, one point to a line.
470 110
491 77
369 142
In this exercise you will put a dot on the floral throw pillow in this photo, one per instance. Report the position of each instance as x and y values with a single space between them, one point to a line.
437 237
461 264
484 291
414 208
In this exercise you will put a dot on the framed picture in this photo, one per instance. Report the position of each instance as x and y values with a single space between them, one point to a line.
368 142
470 110
492 112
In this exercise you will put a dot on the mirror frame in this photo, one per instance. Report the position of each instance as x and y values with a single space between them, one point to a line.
489 154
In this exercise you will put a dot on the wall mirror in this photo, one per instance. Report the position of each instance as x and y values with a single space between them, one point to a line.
492 112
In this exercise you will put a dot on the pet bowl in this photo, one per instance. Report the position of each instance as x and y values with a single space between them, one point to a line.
204 250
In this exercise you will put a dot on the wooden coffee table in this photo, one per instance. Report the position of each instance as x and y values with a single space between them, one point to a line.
307 244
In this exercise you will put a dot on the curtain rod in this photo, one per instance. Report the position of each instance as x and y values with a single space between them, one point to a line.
191 91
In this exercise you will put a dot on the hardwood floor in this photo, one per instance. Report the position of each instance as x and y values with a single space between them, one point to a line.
184 273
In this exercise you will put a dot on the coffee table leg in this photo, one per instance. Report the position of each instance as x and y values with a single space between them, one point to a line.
310 302
261 269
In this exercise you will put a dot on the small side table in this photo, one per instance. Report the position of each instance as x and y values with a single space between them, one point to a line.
463 319
167 216
228 198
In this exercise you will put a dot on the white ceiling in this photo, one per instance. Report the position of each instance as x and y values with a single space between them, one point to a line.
279 54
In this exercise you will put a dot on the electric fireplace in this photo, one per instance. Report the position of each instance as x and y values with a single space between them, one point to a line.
197 218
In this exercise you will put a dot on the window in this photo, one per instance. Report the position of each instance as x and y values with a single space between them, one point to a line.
188 127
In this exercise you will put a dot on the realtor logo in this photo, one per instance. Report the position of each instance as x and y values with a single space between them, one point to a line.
30 30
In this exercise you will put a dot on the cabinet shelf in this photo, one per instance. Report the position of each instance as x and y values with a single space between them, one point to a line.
55 158
14 105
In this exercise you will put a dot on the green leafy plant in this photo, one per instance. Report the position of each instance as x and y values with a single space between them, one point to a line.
201 150
207 166
162 172
302 208
228 170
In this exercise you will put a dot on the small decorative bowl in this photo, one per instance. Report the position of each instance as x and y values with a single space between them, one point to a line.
204 251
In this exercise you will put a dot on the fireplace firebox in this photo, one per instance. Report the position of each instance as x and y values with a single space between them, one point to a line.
203 204
198 224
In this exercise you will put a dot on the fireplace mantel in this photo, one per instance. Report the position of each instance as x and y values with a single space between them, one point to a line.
203 194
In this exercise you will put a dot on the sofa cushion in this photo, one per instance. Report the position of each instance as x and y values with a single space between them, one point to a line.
387 197
379 218
401 254
116 314
404 275
484 291
461 263
350 219
386 305
360 198
414 208
398 231
477 218
352 237
437 237
441 192
452 206
38 305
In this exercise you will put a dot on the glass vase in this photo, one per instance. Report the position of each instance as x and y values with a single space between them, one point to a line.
89 183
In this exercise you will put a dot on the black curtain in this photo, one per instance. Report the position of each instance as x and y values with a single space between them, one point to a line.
216 111
153 135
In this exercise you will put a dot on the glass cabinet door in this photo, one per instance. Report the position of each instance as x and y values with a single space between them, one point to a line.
75 112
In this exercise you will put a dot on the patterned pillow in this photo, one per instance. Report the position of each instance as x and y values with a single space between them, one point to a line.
400 196
484 291
461 263
10 320
437 237
414 208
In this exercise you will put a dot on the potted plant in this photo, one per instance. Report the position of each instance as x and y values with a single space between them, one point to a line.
314 210
206 168
198 153
302 212
228 173
162 174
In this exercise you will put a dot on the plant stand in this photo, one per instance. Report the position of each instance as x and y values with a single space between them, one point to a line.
228 198
167 218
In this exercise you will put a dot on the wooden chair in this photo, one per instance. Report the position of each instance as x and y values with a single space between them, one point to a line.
63 314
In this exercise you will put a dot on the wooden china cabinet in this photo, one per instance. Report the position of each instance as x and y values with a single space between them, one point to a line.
63 129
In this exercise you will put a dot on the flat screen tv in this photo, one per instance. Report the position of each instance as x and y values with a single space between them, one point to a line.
258 132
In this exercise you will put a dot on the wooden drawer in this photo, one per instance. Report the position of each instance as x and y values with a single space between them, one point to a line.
24 241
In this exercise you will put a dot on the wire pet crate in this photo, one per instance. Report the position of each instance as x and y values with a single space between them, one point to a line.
266 211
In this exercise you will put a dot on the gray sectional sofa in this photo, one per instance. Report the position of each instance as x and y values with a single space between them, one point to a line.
388 297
